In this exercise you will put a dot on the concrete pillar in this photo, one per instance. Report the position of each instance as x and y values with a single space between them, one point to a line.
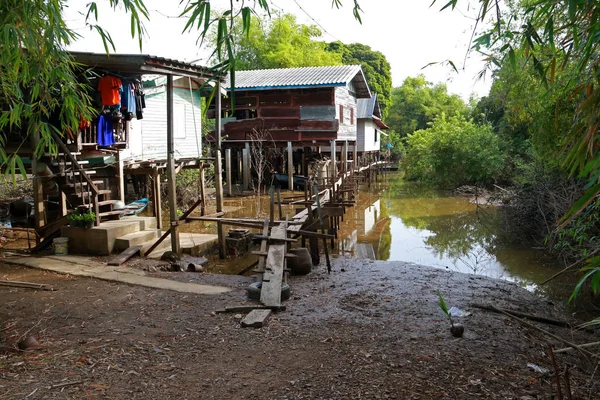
245 169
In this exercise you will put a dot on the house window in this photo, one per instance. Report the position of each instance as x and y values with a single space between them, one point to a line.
341 113
352 116
376 132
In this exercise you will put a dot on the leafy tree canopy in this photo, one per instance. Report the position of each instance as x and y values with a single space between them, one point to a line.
417 102
281 42
375 66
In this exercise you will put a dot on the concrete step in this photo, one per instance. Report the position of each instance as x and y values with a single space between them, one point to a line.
136 238
194 244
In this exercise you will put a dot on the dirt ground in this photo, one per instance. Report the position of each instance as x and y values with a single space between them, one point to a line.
370 330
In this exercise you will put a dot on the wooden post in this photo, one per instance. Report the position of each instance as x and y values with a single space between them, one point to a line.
171 174
39 210
219 171
202 191
157 198
246 166
304 161
333 164
228 171
290 166
120 176
345 157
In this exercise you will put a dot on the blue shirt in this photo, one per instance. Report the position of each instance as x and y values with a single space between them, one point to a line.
105 131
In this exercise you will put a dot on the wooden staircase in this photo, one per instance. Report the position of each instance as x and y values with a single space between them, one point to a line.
79 190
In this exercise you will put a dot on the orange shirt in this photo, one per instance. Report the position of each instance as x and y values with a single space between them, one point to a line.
109 87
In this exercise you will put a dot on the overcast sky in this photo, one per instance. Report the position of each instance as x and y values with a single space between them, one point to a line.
408 32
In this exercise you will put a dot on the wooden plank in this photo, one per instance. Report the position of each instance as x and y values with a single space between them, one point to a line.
256 319
270 294
263 245
238 309
125 255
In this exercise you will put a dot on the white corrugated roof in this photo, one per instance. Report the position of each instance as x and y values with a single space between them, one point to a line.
300 78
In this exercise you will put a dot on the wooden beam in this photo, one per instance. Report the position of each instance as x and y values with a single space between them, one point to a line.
125 255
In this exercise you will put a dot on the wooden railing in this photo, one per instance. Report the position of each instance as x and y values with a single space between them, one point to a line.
92 187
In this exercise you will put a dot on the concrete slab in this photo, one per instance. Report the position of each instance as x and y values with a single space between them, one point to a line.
83 266
194 244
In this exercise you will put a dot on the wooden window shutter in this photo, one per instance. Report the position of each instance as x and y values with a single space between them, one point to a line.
341 113
352 116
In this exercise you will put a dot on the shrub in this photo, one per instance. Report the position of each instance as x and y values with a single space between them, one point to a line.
454 152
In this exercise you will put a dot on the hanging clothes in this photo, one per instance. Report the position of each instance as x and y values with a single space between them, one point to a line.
110 87
128 101
140 100
105 130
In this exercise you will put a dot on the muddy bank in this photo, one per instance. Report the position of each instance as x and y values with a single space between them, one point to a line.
369 330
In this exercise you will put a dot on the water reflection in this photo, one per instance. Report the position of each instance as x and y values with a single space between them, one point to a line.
414 223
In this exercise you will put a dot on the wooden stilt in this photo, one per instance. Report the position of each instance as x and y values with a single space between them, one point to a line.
157 198
219 172
202 190
174 225
279 202
333 162
228 172
290 166
120 176
246 166
320 216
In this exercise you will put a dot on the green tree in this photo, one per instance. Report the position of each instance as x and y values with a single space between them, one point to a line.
555 35
417 102
375 66
454 152
281 42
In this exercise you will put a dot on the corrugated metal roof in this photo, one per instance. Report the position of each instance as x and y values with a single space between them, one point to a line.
368 108
140 64
306 77
365 107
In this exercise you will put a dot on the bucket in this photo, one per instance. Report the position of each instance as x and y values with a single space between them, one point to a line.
61 246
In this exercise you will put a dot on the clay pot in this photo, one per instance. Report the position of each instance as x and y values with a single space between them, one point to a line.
302 264
457 330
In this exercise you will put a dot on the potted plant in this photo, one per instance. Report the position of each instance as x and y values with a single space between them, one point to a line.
74 220
88 220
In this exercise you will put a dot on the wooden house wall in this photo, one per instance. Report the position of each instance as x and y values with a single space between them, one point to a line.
288 115
345 103
365 136
148 136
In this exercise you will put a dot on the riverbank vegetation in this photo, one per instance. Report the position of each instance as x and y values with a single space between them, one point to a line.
536 132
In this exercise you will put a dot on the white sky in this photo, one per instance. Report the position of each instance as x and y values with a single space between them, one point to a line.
408 32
